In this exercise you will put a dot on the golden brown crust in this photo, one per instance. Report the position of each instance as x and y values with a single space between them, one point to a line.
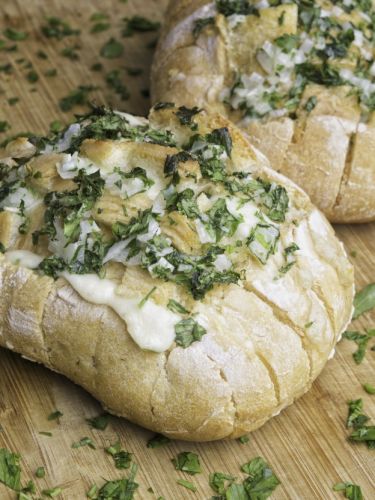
328 152
259 354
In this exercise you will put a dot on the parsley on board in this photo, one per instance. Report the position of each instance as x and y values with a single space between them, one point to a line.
121 458
77 97
10 470
52 492
86 441
100 422
364 300
55 415
369 388
220 482
57 28
121 489
351 491
114 80
187 484
188 462
99 27
138 24
14 35
4 126
362 340
112 49
40 472
261 480
355 416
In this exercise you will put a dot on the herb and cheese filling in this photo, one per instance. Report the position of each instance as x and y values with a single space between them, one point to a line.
120 210
330 43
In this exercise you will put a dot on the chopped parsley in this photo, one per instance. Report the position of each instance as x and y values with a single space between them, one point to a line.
362 340
369 388
261 480
311 103
57 28
176 307
364 300
146 297
4 126
220 482
10 470
100 422
55 415
86 441
188 331
52 492
112 49
40 472
121 489
263 240
358 420
138 24
114 80
351 491
77 97
121 458
188 462
185 116
14 35
239 7
187 484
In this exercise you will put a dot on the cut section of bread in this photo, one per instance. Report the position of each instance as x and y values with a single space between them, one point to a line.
297 77
164 267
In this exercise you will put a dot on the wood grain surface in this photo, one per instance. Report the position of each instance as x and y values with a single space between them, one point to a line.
306 445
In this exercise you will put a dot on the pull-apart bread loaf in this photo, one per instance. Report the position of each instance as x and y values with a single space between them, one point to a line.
164 267
296 76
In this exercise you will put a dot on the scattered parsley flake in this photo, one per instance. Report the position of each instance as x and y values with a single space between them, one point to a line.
10 470
40 472
369 388
138 24
364 300
188 331
55 415
100 422
85 441
188 462
351 491
112 49
77 97
4 126
187 484
362 340
14 35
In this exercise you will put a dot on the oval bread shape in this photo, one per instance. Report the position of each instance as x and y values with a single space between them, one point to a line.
269 296
299 81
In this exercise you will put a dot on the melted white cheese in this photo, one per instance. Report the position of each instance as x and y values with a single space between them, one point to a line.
23 258
150 326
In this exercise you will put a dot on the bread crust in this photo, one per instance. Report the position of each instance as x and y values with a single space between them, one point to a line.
259 353
327 151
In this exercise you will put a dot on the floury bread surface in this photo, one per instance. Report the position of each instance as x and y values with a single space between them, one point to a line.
297 77
164 267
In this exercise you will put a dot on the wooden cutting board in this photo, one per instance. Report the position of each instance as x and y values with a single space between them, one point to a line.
306 445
